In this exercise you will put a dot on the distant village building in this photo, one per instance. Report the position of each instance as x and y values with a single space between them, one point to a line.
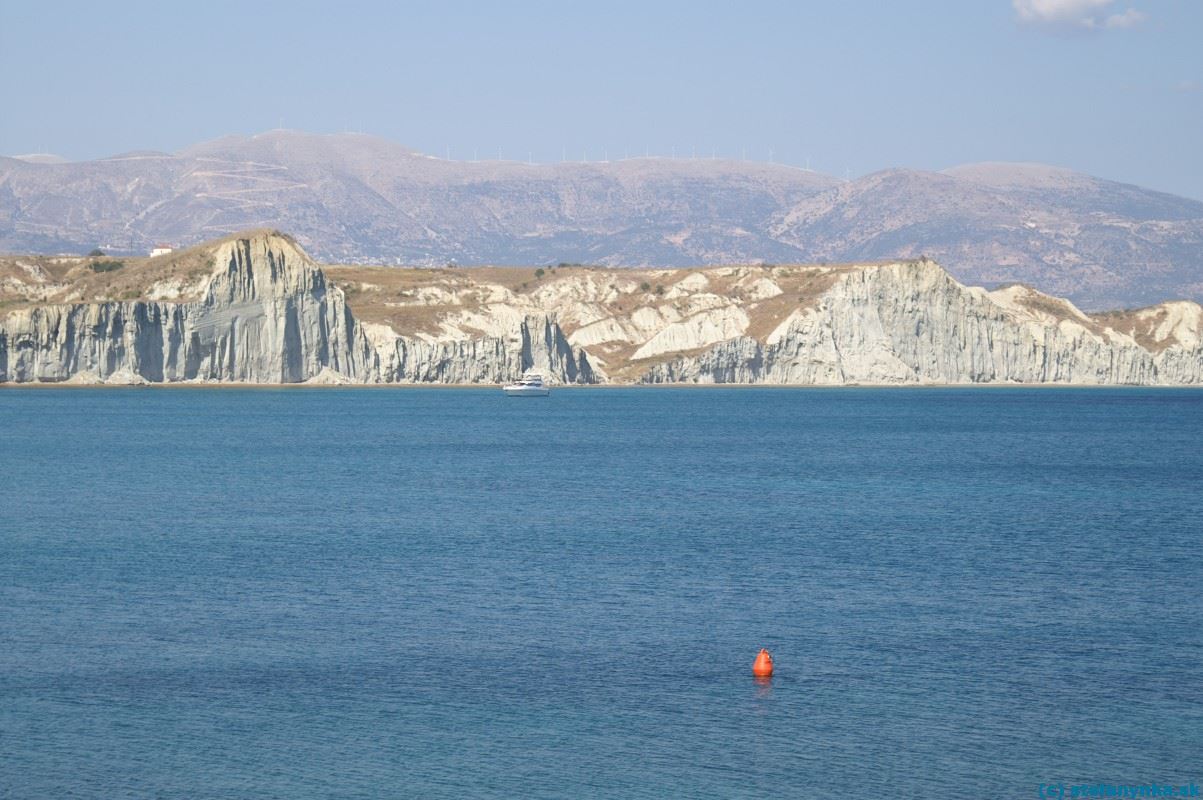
160 250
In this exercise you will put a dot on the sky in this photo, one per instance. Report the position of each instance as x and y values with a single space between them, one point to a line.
1108 87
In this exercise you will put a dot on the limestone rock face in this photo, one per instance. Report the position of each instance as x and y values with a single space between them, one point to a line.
911 323
537 344
267 315
254 308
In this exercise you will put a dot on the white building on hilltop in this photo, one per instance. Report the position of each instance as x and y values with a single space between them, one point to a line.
160 250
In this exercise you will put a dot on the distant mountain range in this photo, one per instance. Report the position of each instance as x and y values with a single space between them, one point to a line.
353 198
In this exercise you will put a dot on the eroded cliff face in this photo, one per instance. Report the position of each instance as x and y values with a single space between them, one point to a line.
254 308
911 323
267 315
536 344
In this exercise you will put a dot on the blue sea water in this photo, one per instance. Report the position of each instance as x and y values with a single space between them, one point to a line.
448 593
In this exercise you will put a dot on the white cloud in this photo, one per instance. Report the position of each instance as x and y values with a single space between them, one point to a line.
1127 19
1082 15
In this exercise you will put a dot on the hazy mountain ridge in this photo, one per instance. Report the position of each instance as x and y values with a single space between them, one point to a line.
1100 243
360 199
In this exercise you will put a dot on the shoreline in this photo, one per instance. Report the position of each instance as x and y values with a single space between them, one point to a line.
49 385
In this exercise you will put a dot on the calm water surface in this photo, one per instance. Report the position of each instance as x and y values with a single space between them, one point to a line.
445 593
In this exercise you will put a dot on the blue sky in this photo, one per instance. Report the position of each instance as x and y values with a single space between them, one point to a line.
1113 88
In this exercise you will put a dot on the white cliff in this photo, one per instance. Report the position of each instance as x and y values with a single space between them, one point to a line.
267 315
911 323
254 308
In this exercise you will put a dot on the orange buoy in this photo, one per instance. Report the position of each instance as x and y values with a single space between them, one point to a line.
762 667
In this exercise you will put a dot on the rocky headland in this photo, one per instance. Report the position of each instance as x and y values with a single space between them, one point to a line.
254 308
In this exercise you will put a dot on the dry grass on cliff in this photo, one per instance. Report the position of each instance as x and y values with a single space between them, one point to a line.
414 300
1140 324
440 302
38 280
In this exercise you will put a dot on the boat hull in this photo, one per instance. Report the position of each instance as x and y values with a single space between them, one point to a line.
526 391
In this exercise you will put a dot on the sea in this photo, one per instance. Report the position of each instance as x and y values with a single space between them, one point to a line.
448 593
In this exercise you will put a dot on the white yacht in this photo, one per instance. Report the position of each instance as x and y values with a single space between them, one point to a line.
531 385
